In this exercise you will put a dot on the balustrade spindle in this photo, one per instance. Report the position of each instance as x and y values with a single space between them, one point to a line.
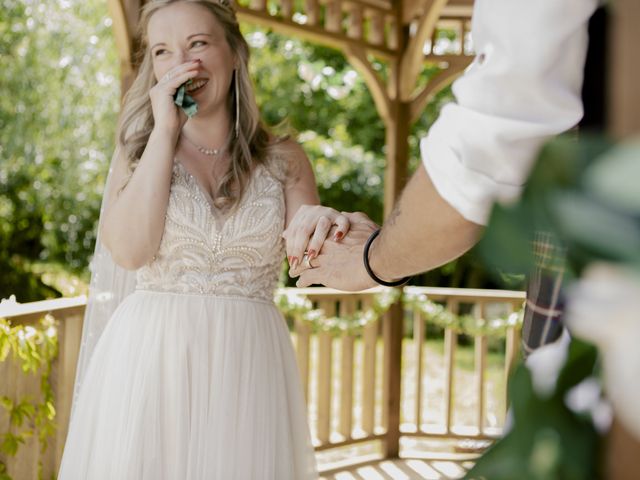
450 341
356 19
370 338
324 377
376 32
333 20
418 345
258 5
312 10
347 307
286 9
303 337
480 363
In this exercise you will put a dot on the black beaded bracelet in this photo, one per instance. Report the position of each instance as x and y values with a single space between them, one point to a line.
395 283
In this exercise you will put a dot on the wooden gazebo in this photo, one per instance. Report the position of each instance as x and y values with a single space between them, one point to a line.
403 34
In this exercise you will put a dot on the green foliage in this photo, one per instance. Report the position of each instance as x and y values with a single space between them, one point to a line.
57 118
585 193
321 98
548 441
35 349
58 67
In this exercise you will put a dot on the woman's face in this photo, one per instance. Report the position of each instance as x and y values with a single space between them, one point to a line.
185 31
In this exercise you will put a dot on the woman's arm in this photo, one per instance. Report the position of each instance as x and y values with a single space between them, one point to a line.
307 222
133 220
300 186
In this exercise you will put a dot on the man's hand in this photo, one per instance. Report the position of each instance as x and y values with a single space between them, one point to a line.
339 264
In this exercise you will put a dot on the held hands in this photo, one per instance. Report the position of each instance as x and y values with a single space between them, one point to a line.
309 229
339 263
166 114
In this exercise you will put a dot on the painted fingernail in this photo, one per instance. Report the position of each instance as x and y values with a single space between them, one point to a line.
312 254
290 259
294 263
338 236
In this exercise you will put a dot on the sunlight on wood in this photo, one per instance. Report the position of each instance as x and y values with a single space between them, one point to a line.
403 469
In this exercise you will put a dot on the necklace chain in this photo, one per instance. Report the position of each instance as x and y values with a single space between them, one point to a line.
212 152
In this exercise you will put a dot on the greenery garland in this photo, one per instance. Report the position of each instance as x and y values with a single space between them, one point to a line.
437 314
298 306
35 347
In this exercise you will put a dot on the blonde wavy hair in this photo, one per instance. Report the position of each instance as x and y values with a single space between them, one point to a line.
253 145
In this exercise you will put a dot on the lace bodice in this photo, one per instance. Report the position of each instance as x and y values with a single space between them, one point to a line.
204 252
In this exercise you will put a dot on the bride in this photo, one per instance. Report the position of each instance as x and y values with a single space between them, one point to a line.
194 375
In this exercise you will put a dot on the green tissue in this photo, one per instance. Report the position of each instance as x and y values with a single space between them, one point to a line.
184 101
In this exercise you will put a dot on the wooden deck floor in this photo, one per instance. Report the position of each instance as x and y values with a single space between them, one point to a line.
402 469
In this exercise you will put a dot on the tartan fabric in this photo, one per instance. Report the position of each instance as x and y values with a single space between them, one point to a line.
545 300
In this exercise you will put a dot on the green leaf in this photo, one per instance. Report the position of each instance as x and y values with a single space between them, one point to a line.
615 178
11 443
604 232
6 402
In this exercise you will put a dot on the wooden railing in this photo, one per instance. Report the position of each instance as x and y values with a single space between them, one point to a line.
478 303
345 376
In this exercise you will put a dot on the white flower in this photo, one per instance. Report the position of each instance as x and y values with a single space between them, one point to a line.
545 364
604 308
586 397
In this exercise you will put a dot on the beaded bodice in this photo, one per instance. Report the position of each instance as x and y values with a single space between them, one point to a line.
203 251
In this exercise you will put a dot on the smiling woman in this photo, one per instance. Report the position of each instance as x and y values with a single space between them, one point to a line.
194 375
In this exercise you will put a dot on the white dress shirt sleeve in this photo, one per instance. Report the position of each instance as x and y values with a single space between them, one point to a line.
522 88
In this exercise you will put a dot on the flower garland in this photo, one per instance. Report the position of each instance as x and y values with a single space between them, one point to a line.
437 314
300 307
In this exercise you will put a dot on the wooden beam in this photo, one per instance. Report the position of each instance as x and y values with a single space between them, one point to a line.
125 15
413 56
435 85
313 33
412 9
357 57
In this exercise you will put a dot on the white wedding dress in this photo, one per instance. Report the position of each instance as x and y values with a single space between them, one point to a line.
195 376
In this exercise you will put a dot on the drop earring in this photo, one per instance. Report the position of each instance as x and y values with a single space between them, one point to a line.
237 94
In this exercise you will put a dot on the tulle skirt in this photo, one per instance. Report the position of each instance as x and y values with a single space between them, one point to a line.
191 387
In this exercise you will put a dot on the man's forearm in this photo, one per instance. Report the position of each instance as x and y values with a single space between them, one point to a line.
422 233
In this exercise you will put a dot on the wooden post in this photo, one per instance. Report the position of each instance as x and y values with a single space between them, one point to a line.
623 449
125 15
397 144
398 127
624 75
392 378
